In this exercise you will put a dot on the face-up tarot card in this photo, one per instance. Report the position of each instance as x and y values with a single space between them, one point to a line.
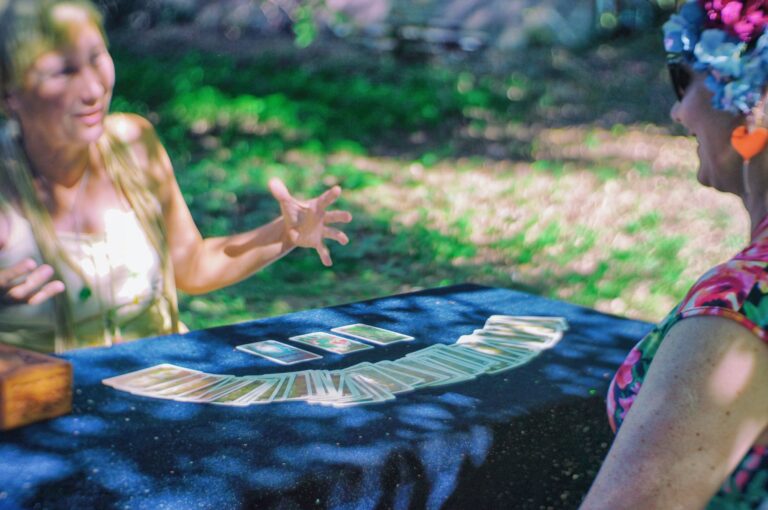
278 352
372 334
332 343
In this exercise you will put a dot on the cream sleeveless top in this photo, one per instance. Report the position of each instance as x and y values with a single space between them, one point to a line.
121 300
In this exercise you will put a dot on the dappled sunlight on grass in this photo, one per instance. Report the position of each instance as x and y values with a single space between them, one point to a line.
561 177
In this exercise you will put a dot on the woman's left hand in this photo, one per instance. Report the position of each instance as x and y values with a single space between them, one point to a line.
307 222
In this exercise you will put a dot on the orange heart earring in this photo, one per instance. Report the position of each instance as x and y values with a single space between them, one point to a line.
749 140
749 143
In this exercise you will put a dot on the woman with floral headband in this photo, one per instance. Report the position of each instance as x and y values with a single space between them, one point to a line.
690 402
95 236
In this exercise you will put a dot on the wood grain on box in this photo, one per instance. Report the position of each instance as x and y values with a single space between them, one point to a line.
33 387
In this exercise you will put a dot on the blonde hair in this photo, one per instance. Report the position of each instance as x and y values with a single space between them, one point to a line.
27 29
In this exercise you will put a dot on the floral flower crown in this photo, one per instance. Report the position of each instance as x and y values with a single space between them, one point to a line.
728 40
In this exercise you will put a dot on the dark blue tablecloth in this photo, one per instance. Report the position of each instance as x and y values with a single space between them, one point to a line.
528 437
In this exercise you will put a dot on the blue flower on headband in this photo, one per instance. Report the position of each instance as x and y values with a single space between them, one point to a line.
738 96
717 51
681 32
737 70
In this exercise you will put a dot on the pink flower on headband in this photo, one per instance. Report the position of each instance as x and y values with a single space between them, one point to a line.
745 19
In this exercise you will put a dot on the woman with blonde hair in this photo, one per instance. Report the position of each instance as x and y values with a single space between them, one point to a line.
95 235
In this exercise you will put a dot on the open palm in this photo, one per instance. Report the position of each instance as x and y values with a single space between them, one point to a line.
307 221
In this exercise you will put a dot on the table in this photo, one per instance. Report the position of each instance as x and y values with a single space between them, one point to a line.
532 437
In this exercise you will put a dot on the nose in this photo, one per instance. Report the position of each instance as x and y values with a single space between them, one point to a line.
91 87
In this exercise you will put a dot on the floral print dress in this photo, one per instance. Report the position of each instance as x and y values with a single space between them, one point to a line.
738 290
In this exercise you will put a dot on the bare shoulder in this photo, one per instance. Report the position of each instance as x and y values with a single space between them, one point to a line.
714 334
701 407
719 354
129 127
140 136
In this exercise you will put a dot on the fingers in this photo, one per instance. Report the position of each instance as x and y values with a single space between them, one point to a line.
7 276
325 255
337 217
36 287
49 290
278 190
329 197
335 234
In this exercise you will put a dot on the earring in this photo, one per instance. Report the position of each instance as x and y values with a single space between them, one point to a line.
749 141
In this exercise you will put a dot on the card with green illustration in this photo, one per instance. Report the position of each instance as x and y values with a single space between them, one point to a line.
278 352
373 334
332 343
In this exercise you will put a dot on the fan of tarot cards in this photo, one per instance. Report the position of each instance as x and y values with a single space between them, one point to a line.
505 342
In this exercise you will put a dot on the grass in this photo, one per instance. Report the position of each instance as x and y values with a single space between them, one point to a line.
555 173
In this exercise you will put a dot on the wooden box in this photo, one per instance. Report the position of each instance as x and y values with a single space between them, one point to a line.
33 387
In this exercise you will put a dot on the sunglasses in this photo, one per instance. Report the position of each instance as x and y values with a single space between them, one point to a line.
680 76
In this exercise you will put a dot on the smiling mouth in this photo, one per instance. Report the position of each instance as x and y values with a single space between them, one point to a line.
90 118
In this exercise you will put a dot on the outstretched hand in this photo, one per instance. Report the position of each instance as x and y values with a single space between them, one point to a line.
307 221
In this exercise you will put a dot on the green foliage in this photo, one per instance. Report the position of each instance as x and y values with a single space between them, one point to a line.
380 130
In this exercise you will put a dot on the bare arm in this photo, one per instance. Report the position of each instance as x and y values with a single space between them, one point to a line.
202 265
703 404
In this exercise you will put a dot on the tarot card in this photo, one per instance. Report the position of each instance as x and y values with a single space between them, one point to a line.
473 359
409 379
210 393
447 376
429 378
524 328
375 392
372 334
499 360
266 393
534 334
536 342
512 347
517 333
236 396
148 377
435 358
189 384
336 390
332 343
285 385
278 352
301 387
504 342
153 389
512 355
558 323
322 384
348 390
353 393
368 373
442 351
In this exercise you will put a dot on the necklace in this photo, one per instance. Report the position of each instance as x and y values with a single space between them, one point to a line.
85 291
108 313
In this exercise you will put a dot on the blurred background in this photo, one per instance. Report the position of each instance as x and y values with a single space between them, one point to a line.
517 143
